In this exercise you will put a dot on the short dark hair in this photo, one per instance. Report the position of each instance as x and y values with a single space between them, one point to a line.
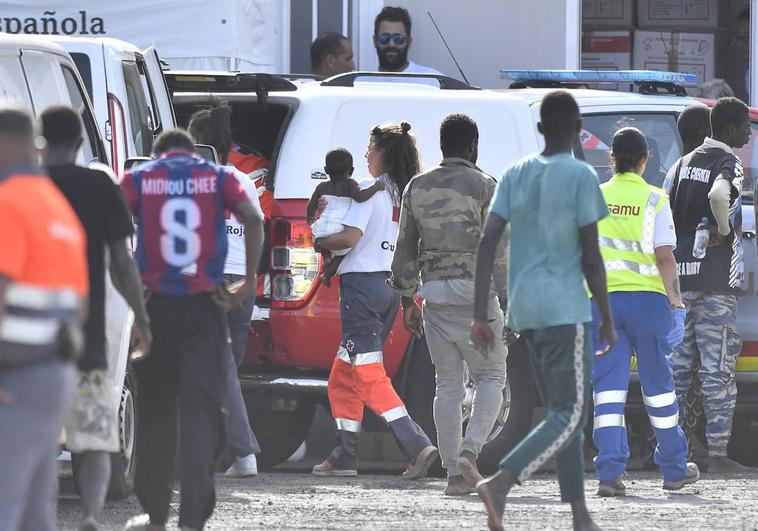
727 111
628 148
558 112
393 14
15 122
457 131
328 43
61 126
338 162
694 124
173 139
213 126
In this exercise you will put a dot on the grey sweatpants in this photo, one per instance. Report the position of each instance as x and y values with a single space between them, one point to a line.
447 335
29 429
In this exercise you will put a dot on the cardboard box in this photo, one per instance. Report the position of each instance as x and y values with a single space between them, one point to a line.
607 14
607 50
678 15
675 52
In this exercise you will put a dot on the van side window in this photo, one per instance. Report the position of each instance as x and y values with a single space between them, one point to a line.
12 85
83 65
147 87
45 79
139 112
79 104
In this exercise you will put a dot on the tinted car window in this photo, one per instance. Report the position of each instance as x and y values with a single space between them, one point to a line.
139 112
83 65
664 145
78 102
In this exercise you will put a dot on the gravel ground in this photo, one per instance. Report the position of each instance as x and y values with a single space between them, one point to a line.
296 500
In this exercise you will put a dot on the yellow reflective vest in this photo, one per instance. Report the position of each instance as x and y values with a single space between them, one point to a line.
627 234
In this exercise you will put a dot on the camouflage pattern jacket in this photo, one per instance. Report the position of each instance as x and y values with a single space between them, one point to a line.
441 221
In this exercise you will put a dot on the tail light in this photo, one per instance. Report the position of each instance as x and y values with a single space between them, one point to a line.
294 264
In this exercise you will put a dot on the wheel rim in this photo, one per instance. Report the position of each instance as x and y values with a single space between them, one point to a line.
502 416
127 430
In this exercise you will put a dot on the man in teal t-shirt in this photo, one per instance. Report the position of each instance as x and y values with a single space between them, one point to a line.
553 203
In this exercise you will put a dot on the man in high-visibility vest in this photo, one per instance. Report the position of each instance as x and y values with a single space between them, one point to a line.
637 242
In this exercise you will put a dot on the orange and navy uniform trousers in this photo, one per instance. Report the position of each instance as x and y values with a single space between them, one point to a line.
368 307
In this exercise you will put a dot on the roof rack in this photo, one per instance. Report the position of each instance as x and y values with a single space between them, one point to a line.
647 81
348 79
196 81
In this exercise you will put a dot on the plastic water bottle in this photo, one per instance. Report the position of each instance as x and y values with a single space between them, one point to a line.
702 233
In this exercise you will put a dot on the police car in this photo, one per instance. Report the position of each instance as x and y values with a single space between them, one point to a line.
293 123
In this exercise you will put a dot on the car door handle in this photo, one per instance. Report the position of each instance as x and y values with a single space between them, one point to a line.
748 235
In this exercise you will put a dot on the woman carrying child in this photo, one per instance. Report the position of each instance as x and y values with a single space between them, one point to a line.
368 307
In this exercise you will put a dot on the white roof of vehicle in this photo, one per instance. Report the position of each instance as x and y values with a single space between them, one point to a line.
117 46
29 42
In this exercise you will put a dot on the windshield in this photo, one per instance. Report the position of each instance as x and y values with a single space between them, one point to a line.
663 141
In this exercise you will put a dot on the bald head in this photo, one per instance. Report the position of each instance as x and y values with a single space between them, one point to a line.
16 137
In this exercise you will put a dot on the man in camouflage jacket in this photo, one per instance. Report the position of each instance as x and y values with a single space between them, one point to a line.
441 219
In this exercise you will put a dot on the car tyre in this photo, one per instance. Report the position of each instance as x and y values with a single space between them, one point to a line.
279 433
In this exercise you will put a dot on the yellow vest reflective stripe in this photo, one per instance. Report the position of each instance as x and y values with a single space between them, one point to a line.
627 235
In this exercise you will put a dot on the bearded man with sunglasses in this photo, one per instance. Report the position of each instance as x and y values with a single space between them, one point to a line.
392 40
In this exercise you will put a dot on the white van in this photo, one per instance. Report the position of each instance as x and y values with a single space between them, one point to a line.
127 90
37 73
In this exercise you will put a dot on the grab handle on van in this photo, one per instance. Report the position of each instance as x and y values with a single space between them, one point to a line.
348 79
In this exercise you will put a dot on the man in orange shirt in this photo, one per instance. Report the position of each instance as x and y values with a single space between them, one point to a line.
43 286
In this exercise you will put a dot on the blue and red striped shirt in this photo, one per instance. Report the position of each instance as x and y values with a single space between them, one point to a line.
179 201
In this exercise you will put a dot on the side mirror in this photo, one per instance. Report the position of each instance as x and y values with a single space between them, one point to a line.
207 152
135 161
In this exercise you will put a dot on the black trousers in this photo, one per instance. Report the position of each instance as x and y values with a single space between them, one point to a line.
181 387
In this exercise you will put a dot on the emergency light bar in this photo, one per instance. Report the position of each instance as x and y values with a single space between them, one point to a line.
600 76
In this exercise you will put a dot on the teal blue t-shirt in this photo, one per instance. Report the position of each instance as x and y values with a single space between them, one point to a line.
546 200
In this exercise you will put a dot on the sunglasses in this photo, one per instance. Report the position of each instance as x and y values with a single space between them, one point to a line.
398 39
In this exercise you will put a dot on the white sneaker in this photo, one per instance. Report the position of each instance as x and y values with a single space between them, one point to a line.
243 467
137 523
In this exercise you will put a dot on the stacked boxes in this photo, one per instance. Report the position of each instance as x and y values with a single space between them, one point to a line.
675 35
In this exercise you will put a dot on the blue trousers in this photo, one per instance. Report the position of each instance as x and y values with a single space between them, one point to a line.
643 320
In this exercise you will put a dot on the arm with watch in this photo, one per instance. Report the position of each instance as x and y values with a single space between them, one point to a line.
664 259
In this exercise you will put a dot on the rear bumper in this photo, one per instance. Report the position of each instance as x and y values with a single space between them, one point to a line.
747 395
278 392
272 383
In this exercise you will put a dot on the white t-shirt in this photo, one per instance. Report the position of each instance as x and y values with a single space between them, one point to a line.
235 231
374 250
412 68
664 227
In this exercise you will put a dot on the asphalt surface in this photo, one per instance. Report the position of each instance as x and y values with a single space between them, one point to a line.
296 500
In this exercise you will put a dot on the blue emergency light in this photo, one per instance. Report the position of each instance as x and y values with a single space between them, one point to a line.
600 76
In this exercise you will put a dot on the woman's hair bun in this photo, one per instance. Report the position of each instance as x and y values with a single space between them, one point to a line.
405 126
